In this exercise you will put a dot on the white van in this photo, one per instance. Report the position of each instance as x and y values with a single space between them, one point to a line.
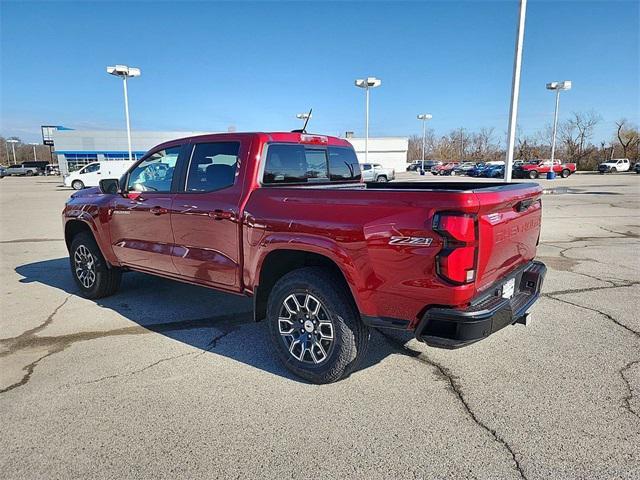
90 175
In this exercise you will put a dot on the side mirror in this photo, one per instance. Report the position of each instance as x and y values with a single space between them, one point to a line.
110 186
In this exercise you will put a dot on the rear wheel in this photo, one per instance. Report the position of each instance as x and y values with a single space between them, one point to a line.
533 174
382 179
77 185
29 173
90 271
315 327
565 173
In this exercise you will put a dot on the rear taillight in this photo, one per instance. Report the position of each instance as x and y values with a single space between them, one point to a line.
456 262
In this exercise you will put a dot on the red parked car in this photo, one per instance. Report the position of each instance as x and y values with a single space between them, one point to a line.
285 219
534 170
444 169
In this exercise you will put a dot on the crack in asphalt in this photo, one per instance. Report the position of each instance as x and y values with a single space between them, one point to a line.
594 289
210 346
33 240
629 397
128 374
56 344
456 389
606 315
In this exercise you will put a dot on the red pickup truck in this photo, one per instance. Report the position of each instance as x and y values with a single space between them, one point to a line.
534 170
286 219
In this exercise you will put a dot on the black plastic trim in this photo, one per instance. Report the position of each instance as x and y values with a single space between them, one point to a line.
488 313
385 322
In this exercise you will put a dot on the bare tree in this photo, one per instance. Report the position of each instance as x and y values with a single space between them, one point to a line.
576 134
628 136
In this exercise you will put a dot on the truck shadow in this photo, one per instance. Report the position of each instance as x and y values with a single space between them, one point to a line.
215 322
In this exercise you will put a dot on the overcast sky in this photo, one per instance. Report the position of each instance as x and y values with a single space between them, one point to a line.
211 65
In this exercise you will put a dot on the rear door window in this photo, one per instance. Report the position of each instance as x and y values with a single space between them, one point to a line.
343 164
212 166
295 164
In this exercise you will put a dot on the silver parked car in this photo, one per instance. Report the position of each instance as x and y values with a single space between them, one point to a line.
374 172
20 170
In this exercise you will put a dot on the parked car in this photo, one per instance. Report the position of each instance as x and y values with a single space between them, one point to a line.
52 169
414 166
39 165
449 168
493 171
91 174
477 170
2 171
614 165
443 168
374 172
21 170
534 170
285 218
464 168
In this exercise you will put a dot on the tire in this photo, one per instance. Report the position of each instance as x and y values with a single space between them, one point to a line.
77 185
533 174
453 174
613 170
565 173
382 179
29 173
336 317
94 277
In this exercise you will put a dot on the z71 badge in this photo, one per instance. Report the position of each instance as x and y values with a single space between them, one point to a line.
410 241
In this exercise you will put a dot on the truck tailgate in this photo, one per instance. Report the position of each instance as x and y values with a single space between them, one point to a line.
508 229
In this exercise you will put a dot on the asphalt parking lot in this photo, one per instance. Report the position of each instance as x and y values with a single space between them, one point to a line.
170 380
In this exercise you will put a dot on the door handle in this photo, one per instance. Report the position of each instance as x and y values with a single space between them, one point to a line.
159 210
222 214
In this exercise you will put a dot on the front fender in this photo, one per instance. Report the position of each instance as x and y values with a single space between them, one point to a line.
96 219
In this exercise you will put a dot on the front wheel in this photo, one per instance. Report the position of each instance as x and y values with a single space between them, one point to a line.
565 173
613 170
382 179
533 174
77 185
90 271
315 327
29 173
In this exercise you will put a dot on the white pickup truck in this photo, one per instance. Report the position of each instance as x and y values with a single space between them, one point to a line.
374 172
615 165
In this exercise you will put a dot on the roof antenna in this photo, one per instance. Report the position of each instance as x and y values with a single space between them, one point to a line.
306 117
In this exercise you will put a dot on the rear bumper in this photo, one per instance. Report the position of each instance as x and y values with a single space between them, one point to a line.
488 313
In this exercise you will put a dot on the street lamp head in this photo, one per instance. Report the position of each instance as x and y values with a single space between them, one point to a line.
369 82
425 116
123 71
34 144
11 140
566 85
303 116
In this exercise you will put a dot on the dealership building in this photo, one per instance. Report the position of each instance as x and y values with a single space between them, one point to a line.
76 148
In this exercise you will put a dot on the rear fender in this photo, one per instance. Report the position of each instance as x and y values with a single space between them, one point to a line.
311 244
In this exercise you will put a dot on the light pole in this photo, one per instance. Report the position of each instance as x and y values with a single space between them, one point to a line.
367 83
124 72
515 92
34 151
558 87
424 117
13 149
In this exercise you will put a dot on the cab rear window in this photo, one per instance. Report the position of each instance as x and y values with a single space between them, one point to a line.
293 163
